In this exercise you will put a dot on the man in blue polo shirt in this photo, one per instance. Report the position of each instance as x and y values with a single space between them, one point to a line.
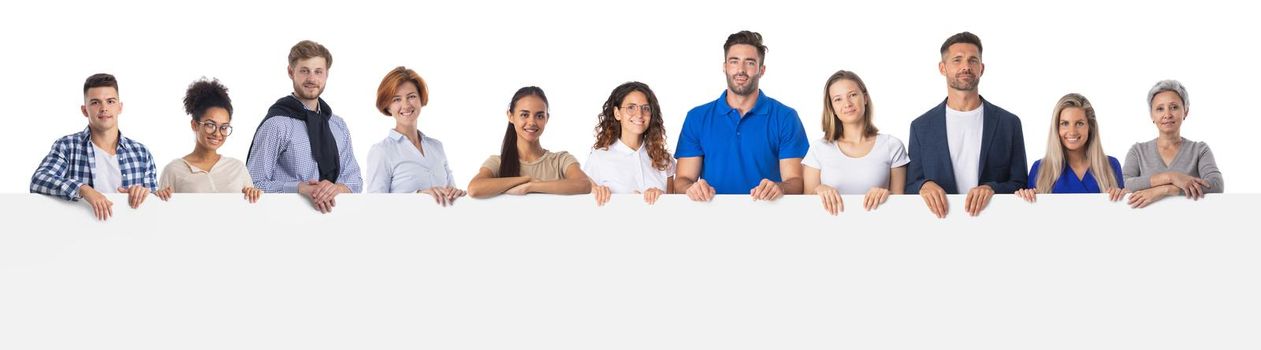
745 141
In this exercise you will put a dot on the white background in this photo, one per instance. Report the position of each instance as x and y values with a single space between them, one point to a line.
474 55
210 271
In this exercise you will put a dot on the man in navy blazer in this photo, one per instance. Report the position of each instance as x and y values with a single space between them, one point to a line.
966 143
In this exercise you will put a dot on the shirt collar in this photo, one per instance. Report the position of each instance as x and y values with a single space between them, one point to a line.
758 106
123 142
193 169
399 137
622 148
317 104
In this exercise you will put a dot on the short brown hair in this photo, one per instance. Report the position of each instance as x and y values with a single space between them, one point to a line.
746 38
308 49
962 38
394 79
100 80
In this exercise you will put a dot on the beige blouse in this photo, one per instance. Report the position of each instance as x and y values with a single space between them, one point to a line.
227 176
551 166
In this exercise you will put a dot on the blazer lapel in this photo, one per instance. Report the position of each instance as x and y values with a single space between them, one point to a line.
941 144
990 121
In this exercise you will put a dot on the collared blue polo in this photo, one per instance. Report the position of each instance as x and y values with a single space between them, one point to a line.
738 152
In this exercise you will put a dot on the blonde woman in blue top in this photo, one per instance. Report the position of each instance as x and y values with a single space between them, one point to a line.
1074 162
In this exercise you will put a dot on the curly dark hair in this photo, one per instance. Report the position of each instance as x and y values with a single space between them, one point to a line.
205 94
609 130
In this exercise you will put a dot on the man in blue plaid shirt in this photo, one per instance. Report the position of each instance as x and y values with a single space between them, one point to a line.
98 159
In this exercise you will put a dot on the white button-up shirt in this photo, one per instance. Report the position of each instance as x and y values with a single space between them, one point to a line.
625 170
396 166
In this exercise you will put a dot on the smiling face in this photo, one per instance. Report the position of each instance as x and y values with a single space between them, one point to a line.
309 76
405 105
529 117
744 68
849 103
212 129
1168 112
1074 129
634 114
101 106
962 67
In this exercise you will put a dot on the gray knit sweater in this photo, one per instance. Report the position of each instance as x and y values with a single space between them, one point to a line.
1193 158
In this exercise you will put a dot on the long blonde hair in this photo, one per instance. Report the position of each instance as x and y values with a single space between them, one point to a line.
1053 163
832 128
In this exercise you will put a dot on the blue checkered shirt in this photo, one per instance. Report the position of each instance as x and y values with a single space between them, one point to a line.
70 163
281 157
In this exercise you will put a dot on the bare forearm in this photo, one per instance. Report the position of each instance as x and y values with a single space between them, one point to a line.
567 186
793 185
1169 189
681 184
490 187
1164 178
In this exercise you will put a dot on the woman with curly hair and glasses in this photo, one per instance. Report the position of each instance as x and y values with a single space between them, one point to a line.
205 170
629 155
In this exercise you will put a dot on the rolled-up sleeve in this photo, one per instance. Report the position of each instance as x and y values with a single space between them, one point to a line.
50 177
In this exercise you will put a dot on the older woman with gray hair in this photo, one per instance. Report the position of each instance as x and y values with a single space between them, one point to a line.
1170 164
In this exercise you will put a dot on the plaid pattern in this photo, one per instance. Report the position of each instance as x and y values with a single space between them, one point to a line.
70 163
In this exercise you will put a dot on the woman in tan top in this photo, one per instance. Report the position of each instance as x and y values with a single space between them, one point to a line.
205 170
523 166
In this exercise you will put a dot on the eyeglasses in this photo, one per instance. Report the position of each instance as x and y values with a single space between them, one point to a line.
634 108
209 127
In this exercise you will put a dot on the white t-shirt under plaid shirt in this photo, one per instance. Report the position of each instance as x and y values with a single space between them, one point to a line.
71 162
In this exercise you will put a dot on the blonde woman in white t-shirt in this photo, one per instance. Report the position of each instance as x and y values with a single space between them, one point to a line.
852 157
629 155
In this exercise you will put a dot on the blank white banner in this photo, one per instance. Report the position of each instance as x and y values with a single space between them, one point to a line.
551 272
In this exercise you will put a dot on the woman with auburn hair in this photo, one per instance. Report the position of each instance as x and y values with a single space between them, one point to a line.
629 155
523 166
1074 162
408 161
852 157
